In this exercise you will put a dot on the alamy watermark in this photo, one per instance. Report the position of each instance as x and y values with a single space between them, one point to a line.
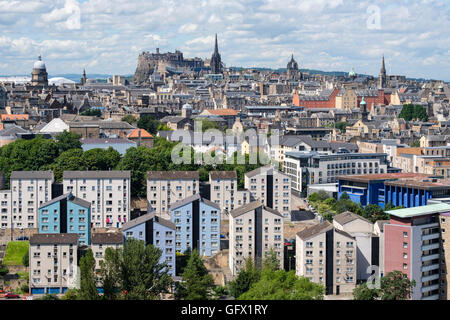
214 147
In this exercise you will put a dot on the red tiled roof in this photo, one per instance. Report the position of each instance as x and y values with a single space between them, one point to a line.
14 117
135 134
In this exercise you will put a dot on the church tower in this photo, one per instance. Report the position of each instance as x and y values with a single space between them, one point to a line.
292 70
382 78
216 61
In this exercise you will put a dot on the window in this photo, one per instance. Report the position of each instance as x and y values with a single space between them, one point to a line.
405 255
405 245
405 234
405 266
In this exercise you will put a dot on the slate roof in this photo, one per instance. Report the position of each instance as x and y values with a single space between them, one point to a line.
194 197
107 238
172 175
32 174
54 238
315 230
96 174
142 219
215 175
347 216
252 206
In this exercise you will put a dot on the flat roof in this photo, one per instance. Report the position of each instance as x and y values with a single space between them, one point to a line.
420 211
382 176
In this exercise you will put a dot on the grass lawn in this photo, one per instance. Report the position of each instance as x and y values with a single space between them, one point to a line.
15 252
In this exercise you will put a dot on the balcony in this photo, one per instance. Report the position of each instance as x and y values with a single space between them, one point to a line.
430 257
431 277
430 267
431 246
430 288
433 297
430 236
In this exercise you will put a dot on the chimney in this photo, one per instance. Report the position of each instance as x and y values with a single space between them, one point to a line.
139 137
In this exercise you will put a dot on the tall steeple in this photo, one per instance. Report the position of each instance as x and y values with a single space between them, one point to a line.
216 47
382 77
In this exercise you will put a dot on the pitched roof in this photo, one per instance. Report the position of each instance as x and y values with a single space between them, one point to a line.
223 112
54 238
146 217
97 174
135 134
215 175
172 175
347 216
252 206
107 238
315 230
346 234
193 198
70 197
14 117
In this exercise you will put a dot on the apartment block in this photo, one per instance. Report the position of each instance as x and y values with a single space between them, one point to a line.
327 255
254 230
156 231
102 241
108 192
29 190
164 188
197 223
224 191
66 214
412 245
5 209
53 262
367 242
308 168
271 187
444 221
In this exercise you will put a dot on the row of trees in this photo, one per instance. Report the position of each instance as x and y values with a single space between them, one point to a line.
66 154
413 112
269 282
328 207
134 272
394 286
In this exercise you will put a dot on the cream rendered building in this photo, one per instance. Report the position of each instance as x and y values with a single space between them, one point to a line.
271 187
164 188
53 262
327 255
254 230
29 190
109 193
224 191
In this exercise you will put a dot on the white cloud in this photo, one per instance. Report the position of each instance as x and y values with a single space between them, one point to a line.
108 35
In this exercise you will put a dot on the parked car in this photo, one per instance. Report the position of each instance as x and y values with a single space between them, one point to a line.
11 295
22 238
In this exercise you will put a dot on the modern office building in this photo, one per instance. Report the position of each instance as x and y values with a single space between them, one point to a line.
164 188
271 187
307 168
412 245
254 230
197 223
327 255
108 192
66 214
157 231
399 189
53 263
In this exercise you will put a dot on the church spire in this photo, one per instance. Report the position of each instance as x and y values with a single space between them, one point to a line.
383 68
216 47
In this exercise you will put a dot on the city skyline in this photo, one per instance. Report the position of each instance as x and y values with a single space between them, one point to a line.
327 35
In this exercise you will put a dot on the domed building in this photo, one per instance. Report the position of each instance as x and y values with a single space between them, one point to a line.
39 75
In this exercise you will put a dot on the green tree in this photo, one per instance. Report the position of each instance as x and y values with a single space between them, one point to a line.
101 159
70 160
208 124
341 126
244 279
71 294
26 259
197 282
374 213
88 288
396 286
135 270
149 124
344 196
415 144
413 112
129 119
110 274
49 297
92 112
67 141
271 260
283 285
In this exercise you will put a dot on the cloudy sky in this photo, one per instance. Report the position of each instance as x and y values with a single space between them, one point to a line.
106 36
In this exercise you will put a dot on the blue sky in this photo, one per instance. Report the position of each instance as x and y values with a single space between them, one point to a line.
106 36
